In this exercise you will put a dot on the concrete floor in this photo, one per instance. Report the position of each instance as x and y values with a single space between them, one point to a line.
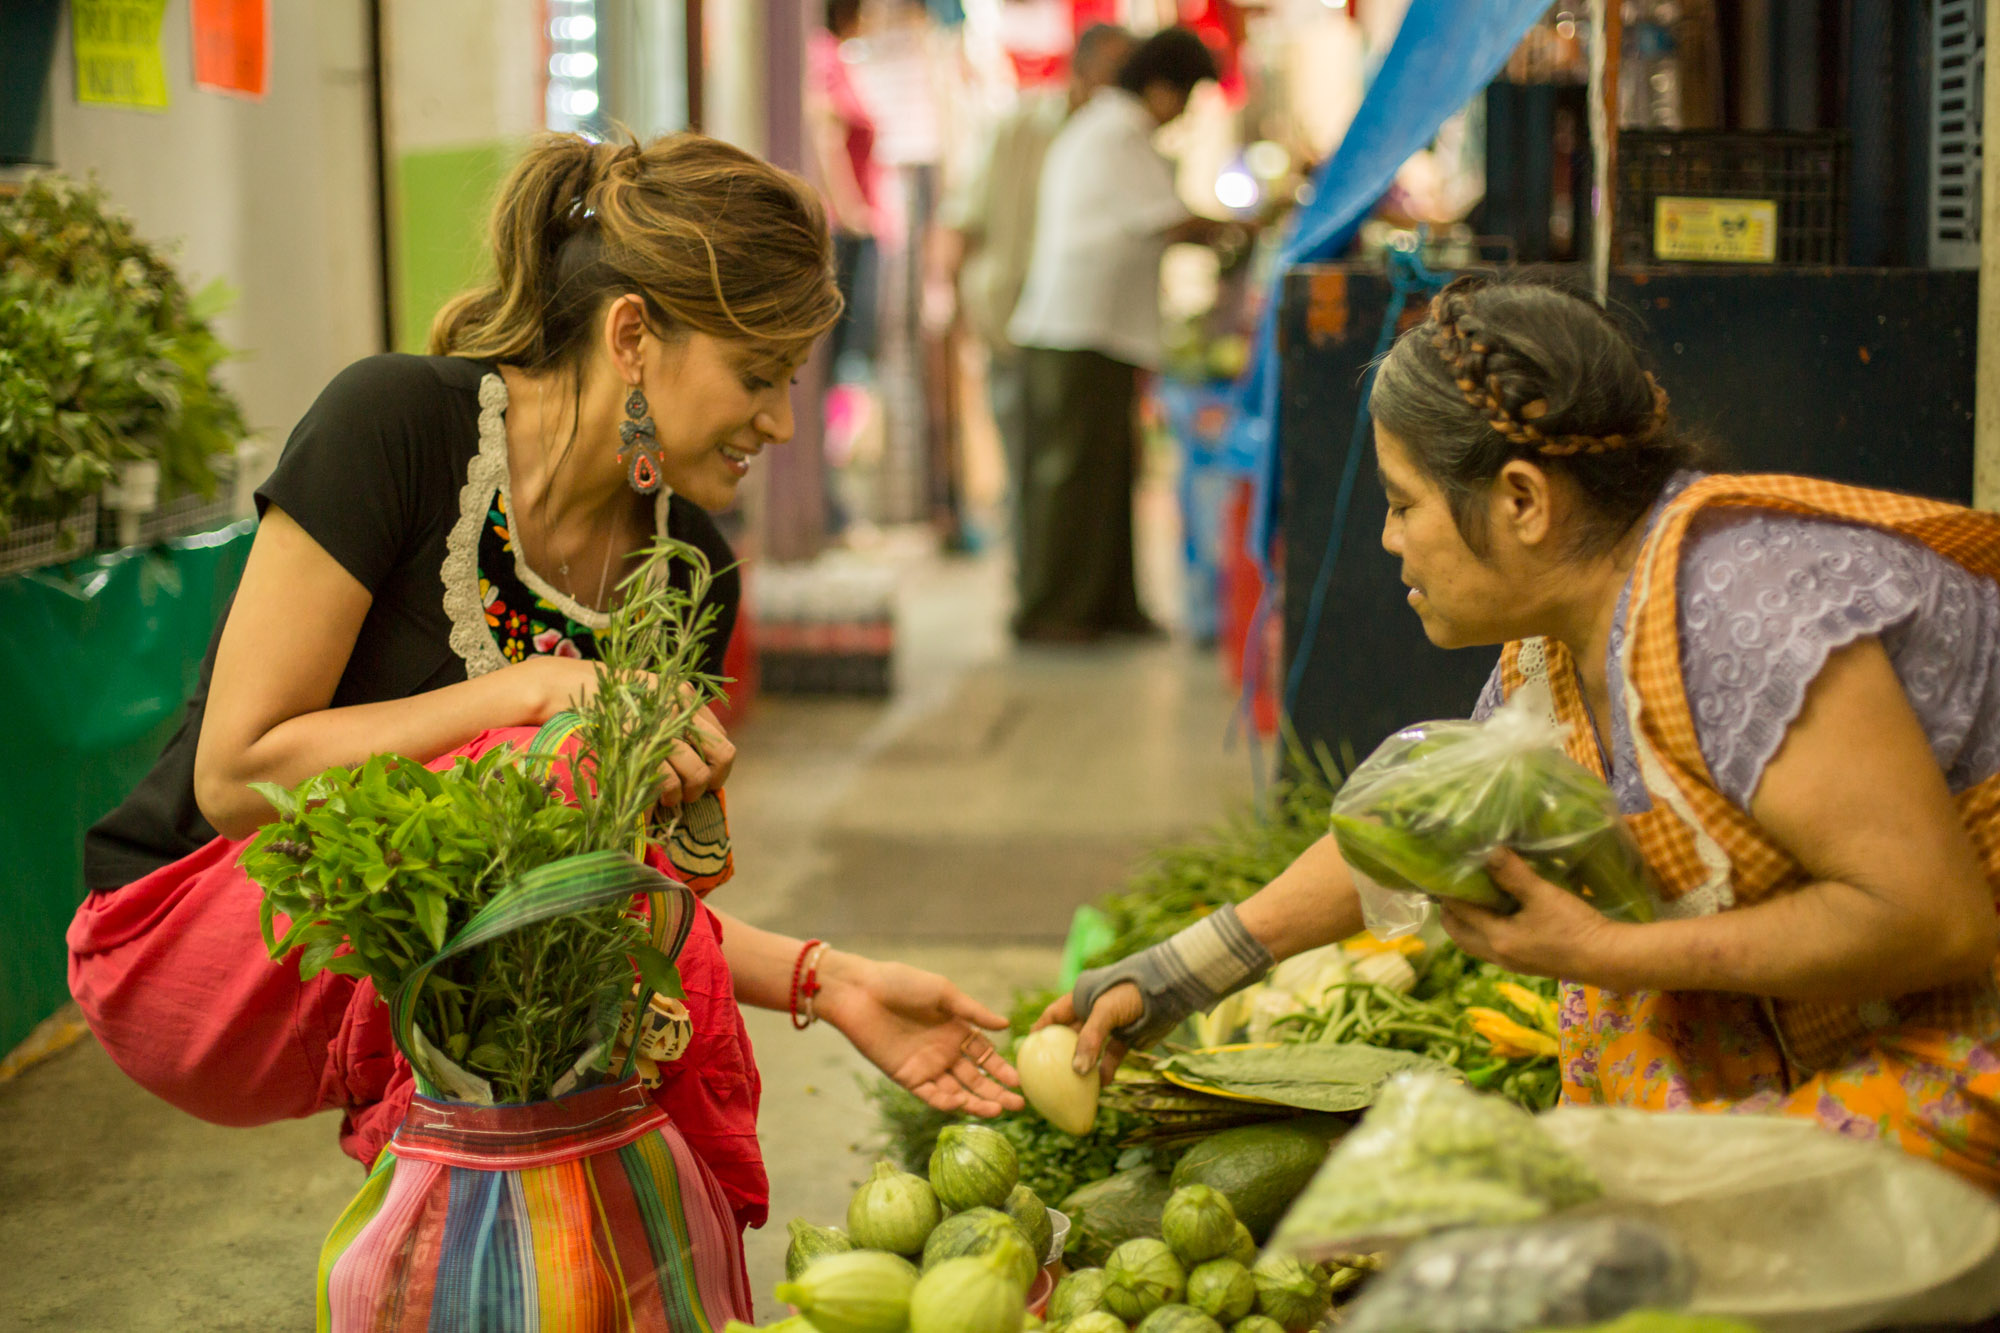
953 826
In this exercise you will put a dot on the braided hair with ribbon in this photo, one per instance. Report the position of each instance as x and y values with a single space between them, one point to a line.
1507 370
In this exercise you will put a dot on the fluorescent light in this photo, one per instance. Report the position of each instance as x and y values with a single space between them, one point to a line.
1236 189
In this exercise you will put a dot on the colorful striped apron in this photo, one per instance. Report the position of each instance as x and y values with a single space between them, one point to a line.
584 1214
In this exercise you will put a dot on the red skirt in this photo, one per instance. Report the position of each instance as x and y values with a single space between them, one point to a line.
172 975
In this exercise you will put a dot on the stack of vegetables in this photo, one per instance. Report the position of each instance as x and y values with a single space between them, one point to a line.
1419 817
980 1238
957 1250
1328 1027
1201 1275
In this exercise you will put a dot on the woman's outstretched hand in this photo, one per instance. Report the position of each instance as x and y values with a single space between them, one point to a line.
920 1030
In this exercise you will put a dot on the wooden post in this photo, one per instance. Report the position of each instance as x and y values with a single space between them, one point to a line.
1986 413
793 516
1607 33
695 45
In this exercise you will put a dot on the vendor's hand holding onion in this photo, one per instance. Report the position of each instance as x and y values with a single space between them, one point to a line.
1117 1008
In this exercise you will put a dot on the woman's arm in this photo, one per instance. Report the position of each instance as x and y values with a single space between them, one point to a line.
913 1025
291 629
1312 902
1854 794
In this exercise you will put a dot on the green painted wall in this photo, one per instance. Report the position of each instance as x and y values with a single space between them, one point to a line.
442 199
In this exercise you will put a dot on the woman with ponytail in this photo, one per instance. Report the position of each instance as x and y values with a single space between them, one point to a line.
438 546
1792 689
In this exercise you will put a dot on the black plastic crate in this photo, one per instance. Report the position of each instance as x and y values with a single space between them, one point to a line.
1804 172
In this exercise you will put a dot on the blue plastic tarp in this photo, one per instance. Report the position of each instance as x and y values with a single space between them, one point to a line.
1445 52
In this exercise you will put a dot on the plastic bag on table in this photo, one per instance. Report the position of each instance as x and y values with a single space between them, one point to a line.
1560 1274
1420 816
1429 1155
1791 1226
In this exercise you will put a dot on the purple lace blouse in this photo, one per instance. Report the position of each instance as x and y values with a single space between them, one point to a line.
1766 598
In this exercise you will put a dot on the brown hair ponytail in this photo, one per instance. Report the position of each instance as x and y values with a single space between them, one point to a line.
713 239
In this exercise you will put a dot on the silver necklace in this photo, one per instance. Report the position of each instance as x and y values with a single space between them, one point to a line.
548 546
562 565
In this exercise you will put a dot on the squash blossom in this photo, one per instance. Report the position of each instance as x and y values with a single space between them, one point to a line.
1508 1038
1539 1008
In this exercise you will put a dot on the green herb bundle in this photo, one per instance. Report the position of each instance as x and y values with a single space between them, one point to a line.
1432 1021
374 867
104 356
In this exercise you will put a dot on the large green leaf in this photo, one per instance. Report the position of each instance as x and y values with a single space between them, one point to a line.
1313 1077
560 888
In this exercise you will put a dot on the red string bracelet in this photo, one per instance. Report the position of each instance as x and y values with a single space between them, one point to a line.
805 983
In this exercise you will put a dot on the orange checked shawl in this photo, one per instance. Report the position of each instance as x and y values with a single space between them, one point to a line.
1922 1071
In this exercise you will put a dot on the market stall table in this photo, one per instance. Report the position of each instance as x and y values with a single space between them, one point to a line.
102 654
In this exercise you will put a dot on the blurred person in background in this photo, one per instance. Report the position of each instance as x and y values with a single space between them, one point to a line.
987 229
1088 322
843 146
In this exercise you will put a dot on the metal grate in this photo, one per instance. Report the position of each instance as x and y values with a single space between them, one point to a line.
1958 83
35 545
1803 172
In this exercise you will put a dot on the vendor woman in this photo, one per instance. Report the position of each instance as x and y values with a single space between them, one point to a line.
1793 690
438 546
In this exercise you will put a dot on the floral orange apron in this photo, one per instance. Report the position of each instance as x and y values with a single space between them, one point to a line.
1920 1071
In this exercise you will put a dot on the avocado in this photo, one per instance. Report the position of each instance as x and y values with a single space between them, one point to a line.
1106 1214
1260 1168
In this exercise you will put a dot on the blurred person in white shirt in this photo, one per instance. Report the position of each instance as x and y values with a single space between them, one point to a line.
1088 322
987 229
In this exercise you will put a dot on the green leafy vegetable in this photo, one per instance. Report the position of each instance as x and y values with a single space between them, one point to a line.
1316 1077
371 868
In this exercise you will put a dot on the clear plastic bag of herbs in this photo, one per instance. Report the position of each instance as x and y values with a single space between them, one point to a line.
1419 818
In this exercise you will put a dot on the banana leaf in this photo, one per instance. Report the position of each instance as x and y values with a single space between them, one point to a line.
1338 1078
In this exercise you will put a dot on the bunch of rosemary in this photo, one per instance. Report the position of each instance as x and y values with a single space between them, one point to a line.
388 859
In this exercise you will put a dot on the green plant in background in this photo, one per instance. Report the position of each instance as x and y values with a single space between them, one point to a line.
104 356
1179 884
387 860
58 441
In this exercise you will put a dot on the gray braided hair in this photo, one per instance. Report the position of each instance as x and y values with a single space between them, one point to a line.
1527 370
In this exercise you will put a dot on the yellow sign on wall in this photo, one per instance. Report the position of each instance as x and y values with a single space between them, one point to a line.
1739 231
118 61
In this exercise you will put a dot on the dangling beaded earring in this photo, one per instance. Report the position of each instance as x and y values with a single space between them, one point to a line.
639 444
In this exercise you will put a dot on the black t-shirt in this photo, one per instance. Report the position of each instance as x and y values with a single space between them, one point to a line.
397 471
